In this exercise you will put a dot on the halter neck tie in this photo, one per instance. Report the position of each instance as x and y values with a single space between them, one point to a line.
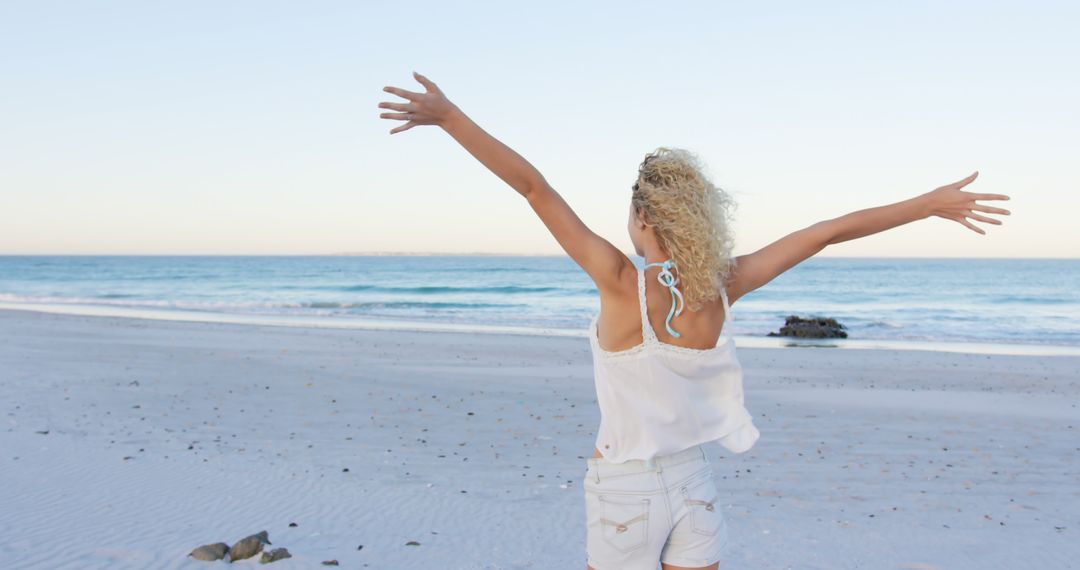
668 280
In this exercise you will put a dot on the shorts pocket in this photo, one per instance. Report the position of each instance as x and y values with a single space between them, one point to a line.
701 499
624 522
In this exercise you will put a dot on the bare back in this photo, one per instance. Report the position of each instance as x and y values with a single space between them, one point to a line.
619 327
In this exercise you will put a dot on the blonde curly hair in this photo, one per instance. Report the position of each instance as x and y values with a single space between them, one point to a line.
691 219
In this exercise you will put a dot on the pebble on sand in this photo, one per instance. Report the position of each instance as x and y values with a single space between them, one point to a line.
275 555
249 546
210 552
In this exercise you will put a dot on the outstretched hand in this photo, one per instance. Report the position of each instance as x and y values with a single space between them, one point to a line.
952 203
429 108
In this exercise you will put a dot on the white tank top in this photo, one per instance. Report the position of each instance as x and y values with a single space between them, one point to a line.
658 398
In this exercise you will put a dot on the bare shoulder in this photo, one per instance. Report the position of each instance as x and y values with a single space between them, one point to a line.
622 284
619 295
737 285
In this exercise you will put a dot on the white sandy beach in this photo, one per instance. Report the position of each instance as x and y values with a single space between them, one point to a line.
163 436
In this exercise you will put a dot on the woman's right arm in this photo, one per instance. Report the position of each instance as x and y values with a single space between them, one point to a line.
950 202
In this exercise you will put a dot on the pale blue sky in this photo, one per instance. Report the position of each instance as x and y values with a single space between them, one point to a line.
252 127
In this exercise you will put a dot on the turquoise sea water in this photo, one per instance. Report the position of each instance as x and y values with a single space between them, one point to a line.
1030 302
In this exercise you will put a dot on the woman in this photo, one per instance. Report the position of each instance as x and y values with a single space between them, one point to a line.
664 392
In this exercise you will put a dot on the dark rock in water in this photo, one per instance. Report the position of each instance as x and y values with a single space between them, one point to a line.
249 546
329 563
412 543
275 555
210 552
813 327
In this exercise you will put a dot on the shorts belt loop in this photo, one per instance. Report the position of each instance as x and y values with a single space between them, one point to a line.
596 473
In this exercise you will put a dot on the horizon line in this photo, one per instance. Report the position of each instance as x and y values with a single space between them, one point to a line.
470 254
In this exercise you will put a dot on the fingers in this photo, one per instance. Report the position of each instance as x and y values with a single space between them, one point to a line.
403 93
990 209
975 216
406 114
406 107
427 83
966 181
404 127
991 197
970 225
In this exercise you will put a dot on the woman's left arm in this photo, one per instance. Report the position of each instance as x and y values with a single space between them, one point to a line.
756 269
603 262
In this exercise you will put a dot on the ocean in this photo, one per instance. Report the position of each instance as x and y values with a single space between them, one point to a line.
982 305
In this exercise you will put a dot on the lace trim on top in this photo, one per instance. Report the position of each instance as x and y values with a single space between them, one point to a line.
649 335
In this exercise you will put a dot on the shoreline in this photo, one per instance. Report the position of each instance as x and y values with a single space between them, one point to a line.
304 321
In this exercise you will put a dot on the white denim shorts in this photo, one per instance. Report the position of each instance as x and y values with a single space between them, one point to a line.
641 513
